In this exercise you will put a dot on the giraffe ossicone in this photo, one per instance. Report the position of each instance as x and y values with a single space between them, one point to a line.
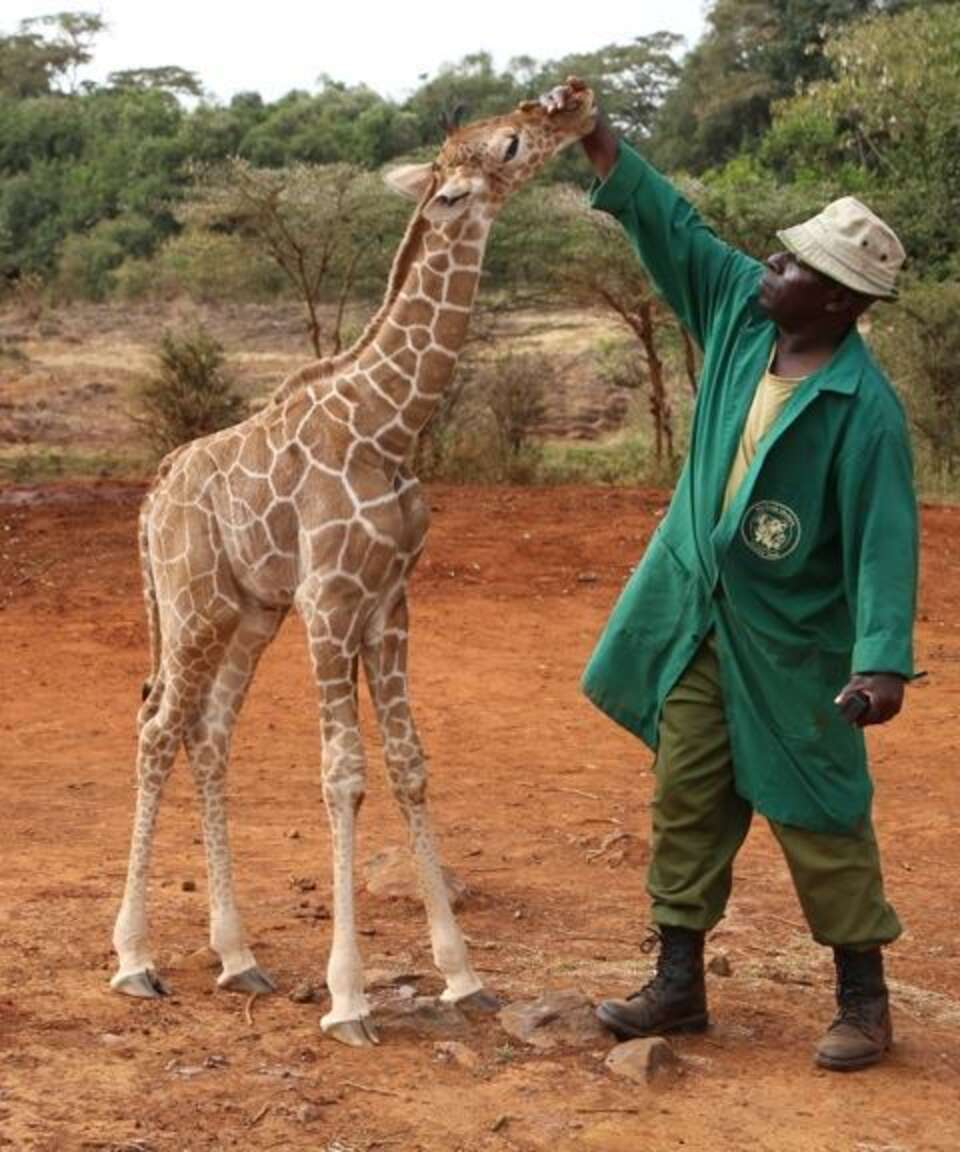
309 504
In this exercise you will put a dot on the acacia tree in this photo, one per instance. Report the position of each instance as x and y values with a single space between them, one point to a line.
589 260
330 228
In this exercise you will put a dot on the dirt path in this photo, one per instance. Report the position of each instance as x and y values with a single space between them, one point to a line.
527 784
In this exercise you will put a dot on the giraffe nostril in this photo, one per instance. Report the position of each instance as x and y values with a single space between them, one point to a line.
450 200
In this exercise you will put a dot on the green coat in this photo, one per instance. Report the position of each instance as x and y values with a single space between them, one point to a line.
809 575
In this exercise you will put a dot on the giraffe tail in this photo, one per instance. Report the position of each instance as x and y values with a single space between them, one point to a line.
151 684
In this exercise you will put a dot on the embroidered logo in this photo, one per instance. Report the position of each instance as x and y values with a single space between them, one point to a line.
770 529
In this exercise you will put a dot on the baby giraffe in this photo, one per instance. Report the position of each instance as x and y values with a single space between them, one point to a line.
309 503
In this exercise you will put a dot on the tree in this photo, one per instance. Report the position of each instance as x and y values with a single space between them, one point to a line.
330 228
753 53
169 78
919 342
631 81
472 83
591 263
885 126
29 65
74 33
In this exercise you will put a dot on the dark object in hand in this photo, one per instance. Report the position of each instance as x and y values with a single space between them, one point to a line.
857 704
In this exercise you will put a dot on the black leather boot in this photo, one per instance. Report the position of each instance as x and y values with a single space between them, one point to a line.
675 1000
861 1033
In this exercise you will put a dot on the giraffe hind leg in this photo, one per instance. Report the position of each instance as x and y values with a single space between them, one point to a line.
385 662
159 739
208 749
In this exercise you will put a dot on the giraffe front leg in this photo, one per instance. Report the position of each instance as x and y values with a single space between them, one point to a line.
348 1018
385 660
463 985
344 785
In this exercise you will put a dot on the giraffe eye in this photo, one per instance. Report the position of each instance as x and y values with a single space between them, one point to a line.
512 148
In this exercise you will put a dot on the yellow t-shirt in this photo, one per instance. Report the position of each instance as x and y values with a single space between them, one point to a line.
769 399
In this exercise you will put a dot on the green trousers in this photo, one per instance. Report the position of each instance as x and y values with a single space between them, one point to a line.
699 823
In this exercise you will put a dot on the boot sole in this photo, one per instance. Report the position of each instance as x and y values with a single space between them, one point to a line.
835 1065
687 1024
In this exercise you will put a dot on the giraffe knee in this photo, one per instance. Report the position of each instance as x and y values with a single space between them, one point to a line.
344 792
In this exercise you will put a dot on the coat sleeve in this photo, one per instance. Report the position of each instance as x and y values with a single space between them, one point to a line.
689 266
879 532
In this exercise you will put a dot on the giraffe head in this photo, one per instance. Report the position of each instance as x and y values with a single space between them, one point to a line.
480 165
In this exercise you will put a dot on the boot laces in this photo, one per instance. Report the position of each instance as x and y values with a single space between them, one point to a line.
856 1003
650 943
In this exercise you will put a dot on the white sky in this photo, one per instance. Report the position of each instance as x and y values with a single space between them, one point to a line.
282 44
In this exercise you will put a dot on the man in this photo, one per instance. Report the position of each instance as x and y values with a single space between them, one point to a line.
771 616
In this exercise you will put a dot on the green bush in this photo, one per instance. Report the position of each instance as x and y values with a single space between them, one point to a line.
190 395
214 266
88 260
918 342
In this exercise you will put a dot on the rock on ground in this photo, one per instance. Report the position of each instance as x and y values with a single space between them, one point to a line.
565 1017
647 1060
391 873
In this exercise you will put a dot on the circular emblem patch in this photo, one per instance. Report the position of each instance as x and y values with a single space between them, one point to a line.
770 529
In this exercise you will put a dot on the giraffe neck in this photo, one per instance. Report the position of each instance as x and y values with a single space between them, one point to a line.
407 363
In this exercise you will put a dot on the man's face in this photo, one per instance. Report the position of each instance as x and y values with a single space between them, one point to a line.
793 294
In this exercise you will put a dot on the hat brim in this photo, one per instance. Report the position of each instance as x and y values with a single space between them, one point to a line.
803 242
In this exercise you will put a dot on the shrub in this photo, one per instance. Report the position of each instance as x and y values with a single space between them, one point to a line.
214 266
514 386
190 395
483 429
918 342
88 260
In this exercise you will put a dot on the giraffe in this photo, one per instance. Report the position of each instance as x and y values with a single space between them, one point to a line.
309 503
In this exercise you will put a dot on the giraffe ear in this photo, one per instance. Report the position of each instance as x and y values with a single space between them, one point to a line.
410 180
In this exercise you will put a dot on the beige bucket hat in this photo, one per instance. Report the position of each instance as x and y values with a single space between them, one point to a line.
851 244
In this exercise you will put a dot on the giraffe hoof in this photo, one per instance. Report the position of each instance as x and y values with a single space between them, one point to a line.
481 1001
354 1033
145 985
251 981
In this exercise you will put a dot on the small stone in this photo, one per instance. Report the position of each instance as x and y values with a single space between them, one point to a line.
391 873
303 883
188 886
112 1040
645 1061
293 834
187 1071
303 992
392 977
215 1061
308 1113
453 1050
719 965
587 577
201 958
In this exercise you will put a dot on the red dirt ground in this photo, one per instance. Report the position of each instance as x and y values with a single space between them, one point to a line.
527 783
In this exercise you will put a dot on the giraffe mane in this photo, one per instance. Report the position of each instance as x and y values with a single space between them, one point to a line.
404 257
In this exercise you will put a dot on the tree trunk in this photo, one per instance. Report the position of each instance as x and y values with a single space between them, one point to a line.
690 359
660 409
